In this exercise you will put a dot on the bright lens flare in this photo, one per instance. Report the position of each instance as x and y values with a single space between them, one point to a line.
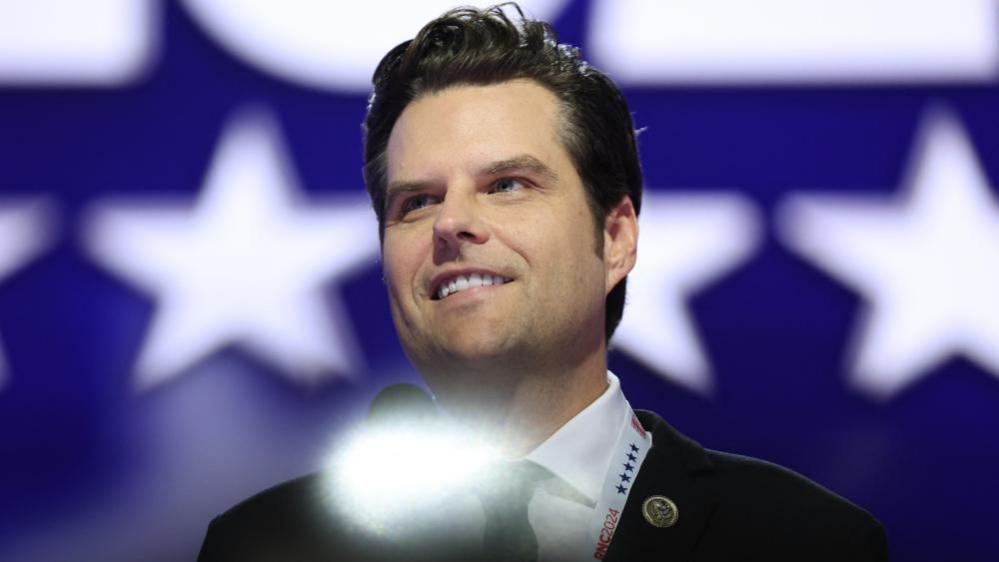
382 477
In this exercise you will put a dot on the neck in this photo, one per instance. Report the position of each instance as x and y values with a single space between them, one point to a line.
520 412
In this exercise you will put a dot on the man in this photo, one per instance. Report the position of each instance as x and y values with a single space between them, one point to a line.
505 176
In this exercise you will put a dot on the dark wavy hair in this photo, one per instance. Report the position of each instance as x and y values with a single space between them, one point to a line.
469 46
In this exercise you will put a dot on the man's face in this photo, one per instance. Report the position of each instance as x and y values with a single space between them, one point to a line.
480 188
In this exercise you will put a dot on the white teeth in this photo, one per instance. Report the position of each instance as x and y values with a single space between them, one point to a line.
462 282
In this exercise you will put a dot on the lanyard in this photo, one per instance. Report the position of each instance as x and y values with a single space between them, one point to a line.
633 443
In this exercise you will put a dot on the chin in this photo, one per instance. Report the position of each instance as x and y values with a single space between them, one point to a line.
477 352
480 337
472 353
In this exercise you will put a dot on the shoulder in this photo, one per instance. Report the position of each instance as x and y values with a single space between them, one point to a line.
761 488
752 483
767 483
763 507
301 520
292 518
759 498
274 507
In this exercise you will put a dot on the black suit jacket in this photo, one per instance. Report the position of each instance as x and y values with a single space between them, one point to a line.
730 508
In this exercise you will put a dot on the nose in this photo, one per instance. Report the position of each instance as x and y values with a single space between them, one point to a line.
458 222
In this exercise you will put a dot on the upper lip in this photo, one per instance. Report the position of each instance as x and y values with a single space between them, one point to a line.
440 278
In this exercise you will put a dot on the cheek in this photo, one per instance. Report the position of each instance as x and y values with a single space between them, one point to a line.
580 266
399 265
399 272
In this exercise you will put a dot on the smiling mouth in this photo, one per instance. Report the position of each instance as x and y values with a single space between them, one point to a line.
461 283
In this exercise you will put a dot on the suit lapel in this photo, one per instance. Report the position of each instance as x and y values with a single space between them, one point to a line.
672 469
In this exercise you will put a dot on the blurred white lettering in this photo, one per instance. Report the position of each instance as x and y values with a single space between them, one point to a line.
73 42
322 44
791 41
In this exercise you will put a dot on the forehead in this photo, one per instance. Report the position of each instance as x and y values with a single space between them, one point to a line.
475 125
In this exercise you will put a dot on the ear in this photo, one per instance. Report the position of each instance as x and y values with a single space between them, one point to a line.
620 242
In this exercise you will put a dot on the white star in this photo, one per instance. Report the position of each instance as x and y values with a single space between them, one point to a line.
25 230
685 243
246 265
928 263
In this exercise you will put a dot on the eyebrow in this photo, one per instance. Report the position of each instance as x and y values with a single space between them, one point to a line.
520 162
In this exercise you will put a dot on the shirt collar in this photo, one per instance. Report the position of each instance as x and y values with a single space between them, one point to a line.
580 451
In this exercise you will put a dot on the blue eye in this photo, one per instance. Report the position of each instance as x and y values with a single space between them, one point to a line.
507 184
416 203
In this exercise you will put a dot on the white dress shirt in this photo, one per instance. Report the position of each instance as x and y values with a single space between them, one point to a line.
579 454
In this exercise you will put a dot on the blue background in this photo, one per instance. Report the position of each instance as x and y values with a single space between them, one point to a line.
87 461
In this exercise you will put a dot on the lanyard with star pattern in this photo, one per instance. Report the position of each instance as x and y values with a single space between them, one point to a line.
632 445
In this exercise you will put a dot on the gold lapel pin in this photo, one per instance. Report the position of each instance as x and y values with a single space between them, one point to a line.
660 511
